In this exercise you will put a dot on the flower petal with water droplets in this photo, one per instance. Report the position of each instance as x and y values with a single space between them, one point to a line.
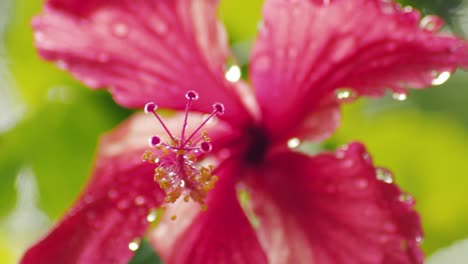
306 50
142 50
331 208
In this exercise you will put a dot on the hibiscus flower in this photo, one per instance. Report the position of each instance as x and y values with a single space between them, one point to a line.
334 207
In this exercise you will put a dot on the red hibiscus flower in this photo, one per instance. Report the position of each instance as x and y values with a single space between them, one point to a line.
329 208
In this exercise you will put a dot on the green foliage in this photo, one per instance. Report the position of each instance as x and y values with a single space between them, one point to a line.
58 142
145 255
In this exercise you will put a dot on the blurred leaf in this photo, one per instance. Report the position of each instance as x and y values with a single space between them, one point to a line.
6 254
449 98
33 76
457 253
58 142
428 157
446 9
145 255
241 18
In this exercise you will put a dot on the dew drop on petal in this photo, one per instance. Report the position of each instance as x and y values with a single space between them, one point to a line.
152 215
39 36
419 239
103 57
113 194
345 95
140 200
135 244
90 82
120 29
431 23
404 197
233 74
123 204
441 78
63 65
361 183
384 175
88 199
294 143
399 96
159 26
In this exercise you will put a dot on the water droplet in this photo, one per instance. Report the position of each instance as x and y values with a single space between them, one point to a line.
387 7
262 64
418 239
404 197
159 26
88 198
389 227
366 157
90 82
120 29
294 143
152 215
224 153
441 78
384 175
399 96
182 183
431 23
113 194
408 9
63 65
103 57
361 183
39 36
140 200
233 74
123 204
345 95
135 244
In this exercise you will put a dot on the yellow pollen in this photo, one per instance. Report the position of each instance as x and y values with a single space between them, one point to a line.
173 217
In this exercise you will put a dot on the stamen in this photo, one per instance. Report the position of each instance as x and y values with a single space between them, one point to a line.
178 172
218 109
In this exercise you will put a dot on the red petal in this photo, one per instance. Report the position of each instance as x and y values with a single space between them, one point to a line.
143 51
332 209
222 234
113 209
306 50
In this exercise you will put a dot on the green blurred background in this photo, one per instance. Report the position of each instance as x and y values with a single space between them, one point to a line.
50 123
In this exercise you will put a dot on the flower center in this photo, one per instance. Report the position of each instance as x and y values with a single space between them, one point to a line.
258 147
179 172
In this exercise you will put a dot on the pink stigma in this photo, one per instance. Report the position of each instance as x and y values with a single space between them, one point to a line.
178 171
